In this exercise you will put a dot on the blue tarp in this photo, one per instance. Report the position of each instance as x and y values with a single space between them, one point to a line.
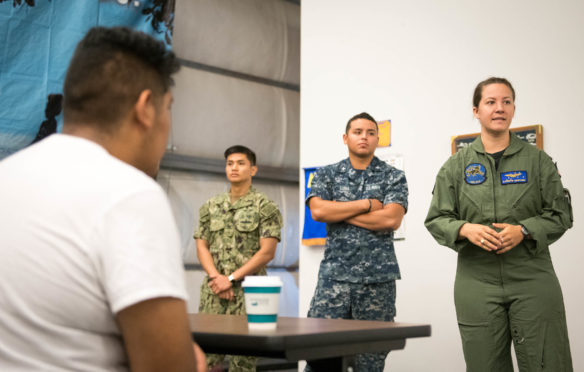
37 39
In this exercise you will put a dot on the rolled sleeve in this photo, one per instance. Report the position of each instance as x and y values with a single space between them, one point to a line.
202 232
320 186
397 189
270 221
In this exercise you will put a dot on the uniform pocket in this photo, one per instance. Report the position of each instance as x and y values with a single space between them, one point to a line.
568 205
473 335
216 224
246 219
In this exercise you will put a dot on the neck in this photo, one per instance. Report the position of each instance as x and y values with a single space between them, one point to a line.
89 133
238 190
359 162
495 141
118 144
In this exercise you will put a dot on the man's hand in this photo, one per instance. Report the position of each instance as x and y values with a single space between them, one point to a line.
227 295
375 205
510 236
200 358
380 218
219 283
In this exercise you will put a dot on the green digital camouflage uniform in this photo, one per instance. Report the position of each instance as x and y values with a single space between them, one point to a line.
233 233
514 296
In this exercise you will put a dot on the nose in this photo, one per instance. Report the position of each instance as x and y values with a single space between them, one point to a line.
500 107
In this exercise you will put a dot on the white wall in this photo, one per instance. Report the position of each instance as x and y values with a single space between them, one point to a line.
416 62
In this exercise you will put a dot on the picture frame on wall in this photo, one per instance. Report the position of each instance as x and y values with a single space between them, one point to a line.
532 134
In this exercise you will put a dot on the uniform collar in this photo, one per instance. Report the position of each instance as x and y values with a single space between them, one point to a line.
515 144
244 201
373 167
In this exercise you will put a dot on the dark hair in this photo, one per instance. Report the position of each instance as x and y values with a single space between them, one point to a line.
478 92
238 149
362 115
109 70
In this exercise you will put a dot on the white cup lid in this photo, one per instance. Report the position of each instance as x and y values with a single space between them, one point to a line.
261 281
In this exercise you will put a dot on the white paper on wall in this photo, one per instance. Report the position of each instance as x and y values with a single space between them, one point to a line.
397 161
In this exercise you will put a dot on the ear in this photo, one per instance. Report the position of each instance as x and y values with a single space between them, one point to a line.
254 170
475 112
144 109
345 138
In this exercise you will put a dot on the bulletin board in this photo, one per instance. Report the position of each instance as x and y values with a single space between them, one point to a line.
532 134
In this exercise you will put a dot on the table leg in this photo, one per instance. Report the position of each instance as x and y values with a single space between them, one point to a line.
344 363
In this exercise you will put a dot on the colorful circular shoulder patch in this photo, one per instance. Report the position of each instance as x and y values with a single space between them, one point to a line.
475 174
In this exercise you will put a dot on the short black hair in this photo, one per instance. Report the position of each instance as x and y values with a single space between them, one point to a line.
362 115
109 70
239 149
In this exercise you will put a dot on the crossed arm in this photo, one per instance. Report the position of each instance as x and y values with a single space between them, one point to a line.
358 213
220 284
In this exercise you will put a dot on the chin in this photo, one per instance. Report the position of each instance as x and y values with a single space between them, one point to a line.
498 128
365 153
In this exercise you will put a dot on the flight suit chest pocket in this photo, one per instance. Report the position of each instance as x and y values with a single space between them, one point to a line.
246 219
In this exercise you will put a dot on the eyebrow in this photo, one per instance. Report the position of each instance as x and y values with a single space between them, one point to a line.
507 97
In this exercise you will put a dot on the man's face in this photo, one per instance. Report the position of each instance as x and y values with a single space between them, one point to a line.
238 168
362 138
160 132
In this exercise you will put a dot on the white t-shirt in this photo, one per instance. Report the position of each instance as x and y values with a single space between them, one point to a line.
83 235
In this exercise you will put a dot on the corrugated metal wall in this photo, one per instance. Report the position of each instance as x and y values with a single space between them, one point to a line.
239 85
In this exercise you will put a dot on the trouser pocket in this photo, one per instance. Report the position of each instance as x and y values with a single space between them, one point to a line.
486 346
542 345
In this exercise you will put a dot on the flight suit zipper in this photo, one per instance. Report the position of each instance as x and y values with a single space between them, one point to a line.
493 188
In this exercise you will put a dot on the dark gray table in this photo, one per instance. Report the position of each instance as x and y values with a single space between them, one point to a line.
328 344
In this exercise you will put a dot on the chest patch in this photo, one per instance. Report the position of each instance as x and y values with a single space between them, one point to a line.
513 177
475 174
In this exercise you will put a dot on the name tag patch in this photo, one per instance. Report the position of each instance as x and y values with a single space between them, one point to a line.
475 174
512 177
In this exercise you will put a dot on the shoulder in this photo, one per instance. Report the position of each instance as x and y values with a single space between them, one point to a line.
213 201
217 199
531 152
339 167
379 165
261 199
461 158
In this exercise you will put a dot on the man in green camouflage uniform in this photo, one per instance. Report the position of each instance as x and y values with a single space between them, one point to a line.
237 236
363 200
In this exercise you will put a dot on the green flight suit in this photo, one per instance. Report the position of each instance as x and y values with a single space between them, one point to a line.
233 232
516 295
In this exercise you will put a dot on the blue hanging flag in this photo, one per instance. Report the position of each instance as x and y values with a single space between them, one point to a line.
314 232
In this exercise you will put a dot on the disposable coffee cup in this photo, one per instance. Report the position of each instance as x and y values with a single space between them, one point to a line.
262 295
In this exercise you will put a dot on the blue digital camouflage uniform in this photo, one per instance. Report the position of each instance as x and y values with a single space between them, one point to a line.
357 275
233 233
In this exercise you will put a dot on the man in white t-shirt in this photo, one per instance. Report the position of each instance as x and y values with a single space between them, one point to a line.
90 270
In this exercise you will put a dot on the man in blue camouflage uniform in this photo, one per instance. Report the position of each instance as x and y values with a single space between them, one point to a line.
237 236
363 200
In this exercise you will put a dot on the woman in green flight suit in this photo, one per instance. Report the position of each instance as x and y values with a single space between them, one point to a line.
500 203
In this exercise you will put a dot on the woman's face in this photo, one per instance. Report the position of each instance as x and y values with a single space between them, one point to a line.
496 108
